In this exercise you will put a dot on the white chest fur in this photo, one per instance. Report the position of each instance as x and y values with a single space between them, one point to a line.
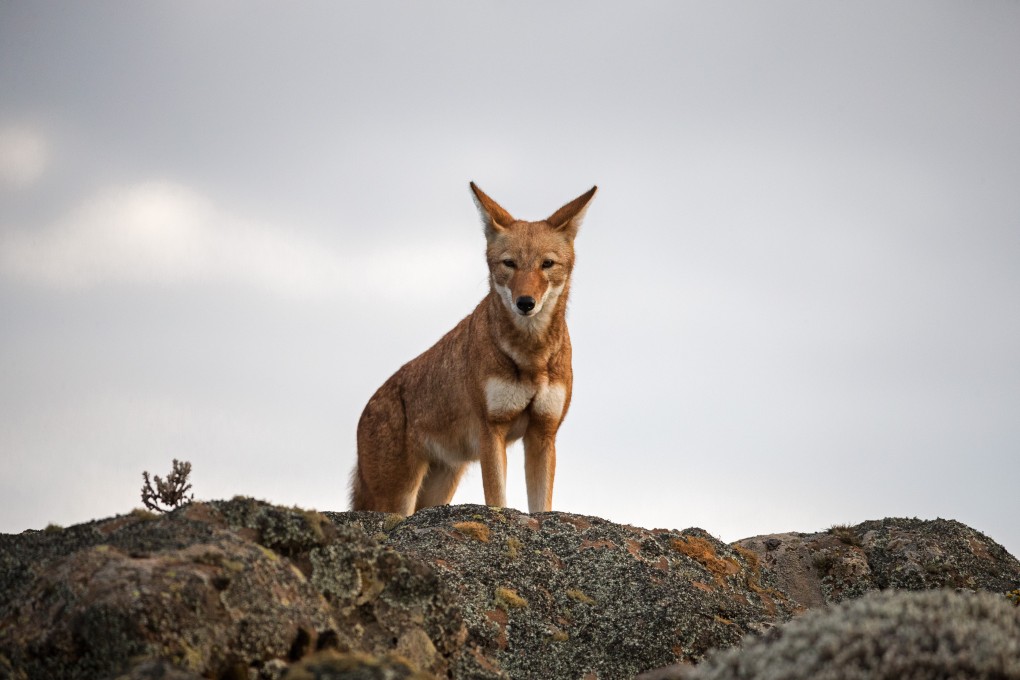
505 398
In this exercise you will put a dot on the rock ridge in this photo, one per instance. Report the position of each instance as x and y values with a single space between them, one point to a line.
245 589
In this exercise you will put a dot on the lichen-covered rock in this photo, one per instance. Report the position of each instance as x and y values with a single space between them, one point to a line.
244 589
909 554
555 595
226 589
381 600
883 636
914 554
82 603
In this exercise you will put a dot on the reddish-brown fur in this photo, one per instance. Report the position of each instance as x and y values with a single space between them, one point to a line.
503 373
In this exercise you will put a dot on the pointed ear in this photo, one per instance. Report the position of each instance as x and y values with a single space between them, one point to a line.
493 216
568 218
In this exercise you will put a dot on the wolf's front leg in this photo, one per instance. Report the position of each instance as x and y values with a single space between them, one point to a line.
492 456
539 467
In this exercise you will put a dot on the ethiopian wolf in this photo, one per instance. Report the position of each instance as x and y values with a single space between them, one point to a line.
501 374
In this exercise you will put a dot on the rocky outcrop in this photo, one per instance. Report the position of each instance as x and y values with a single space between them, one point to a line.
243 589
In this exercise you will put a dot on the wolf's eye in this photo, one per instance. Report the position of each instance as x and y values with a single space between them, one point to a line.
547 263
510 263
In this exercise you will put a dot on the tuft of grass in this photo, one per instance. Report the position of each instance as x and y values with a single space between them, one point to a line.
823 561
580 596
702 551
508 599
754 578
845 533
558 635
475 530
750 556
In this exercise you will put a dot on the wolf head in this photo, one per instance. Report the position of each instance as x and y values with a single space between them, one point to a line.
530 262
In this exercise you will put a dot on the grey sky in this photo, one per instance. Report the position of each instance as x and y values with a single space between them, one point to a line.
223 225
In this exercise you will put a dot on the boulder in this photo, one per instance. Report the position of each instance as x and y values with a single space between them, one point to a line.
846 562
556 595
890 635
229 590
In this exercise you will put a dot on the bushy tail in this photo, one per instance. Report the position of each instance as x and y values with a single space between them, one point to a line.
358 499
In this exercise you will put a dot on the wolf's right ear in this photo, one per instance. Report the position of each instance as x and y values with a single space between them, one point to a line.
568 218
493 216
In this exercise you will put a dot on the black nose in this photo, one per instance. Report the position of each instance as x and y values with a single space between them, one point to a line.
525 303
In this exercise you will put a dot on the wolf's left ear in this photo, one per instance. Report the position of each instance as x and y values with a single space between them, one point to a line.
568 218
493 216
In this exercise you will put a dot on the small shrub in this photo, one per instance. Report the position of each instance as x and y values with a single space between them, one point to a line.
171 492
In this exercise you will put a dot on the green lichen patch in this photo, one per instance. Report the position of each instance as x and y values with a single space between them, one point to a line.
513 547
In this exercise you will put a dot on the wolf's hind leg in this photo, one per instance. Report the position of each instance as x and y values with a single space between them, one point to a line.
395 492
387 475
439 484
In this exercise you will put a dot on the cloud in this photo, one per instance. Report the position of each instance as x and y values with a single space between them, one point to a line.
24 155
165 234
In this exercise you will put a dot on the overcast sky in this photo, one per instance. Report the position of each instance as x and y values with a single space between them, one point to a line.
796 304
